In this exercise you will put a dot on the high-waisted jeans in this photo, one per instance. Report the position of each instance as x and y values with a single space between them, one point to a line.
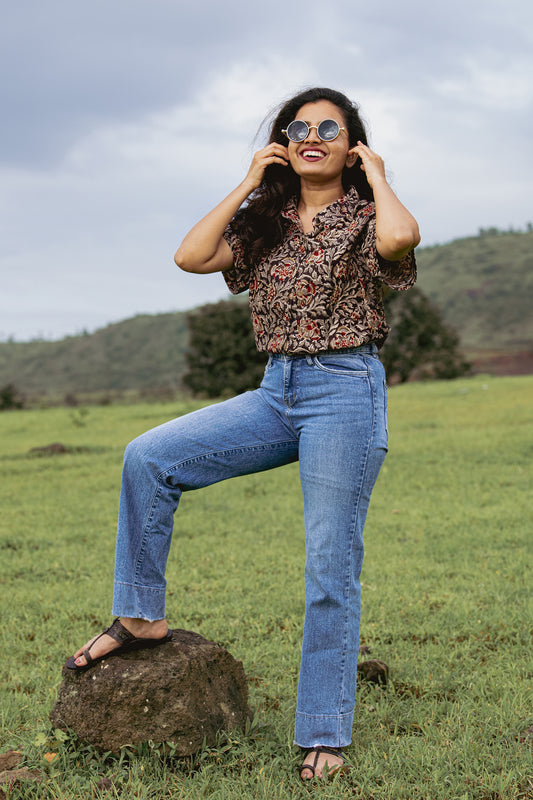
329 412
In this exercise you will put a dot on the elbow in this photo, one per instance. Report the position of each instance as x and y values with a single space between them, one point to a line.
400 243
406 238
415 237
181 261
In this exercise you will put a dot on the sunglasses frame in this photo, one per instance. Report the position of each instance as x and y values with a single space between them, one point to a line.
298 141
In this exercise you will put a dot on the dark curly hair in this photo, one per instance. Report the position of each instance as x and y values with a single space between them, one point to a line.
260 224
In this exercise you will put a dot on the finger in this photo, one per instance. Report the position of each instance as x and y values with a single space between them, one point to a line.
277 148
278 155
267 155
277 160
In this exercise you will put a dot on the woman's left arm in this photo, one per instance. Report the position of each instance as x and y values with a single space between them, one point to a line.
396 229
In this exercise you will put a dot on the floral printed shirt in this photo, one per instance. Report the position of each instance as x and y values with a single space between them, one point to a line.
323 290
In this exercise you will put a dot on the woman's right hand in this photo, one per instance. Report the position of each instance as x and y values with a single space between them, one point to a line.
204 248
271 154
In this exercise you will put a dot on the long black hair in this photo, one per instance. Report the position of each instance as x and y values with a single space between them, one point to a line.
260 223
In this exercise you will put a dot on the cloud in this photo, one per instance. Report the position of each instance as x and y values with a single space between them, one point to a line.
129 120
103 223
491 81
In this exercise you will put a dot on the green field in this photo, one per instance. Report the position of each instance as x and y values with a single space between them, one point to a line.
446 602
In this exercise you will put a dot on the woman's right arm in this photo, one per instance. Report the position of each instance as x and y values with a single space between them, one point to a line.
204 248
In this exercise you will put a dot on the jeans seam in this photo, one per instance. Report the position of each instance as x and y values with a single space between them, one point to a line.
349 571
286 419
205 456
324 716
141 586
146 532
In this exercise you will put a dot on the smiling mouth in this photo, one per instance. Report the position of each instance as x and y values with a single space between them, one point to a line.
312 155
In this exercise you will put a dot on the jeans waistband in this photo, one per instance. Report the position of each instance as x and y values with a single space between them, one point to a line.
363 349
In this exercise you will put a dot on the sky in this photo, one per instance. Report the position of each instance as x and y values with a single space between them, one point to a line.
124 122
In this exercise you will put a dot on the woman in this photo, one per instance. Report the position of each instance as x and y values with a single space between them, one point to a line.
321 234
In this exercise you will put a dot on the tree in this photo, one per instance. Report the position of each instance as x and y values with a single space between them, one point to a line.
222 358
420 346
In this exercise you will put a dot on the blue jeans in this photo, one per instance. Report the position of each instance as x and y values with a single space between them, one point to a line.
329 412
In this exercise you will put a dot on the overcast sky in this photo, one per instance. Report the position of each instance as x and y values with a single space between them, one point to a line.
124 121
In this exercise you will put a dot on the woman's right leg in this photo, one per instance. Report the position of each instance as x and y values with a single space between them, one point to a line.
237 437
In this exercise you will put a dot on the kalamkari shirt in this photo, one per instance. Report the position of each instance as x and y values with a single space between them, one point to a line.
323 290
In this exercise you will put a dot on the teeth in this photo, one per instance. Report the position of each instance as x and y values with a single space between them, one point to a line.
314 153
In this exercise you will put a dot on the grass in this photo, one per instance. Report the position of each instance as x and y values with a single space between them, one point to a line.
446 602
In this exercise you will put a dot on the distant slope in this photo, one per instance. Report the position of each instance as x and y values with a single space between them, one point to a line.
483 286
145 352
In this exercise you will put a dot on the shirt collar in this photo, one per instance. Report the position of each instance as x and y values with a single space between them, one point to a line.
335 212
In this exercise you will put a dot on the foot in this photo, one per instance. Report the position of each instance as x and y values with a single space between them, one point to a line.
141 628
321 759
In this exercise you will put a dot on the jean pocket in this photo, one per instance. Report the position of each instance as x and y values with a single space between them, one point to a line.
350 364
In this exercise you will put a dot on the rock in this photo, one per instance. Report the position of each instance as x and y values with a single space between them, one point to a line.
183 692
10 759
12 776
50 449
9 773
373 671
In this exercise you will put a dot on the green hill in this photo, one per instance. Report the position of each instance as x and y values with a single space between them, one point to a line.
145 353
481 284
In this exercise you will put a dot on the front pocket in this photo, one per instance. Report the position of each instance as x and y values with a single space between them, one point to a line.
352 365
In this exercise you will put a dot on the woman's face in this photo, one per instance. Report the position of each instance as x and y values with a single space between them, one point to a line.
313 159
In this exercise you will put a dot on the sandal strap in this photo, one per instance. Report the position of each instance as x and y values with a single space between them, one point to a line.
119 633
312 766
333 751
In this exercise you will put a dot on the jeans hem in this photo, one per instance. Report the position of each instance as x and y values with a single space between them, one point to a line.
326 730
138 602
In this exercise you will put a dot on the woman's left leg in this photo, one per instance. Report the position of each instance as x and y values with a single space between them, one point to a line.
343 442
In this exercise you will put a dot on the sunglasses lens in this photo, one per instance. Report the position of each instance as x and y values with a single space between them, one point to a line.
328 130
297 130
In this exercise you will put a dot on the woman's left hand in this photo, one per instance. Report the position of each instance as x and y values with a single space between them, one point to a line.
371 163
396 229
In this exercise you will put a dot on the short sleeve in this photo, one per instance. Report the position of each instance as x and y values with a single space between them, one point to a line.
396 274
238 276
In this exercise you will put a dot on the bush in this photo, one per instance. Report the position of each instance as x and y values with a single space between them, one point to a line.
222 358
10 398
420 346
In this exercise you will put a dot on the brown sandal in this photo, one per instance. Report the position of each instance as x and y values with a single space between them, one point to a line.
334 751
127 641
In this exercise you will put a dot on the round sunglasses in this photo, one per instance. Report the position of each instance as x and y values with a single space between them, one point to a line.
298 130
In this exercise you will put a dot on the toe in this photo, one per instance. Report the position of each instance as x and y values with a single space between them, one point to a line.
323 761
104 646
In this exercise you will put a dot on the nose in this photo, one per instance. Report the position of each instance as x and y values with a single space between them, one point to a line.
312 136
